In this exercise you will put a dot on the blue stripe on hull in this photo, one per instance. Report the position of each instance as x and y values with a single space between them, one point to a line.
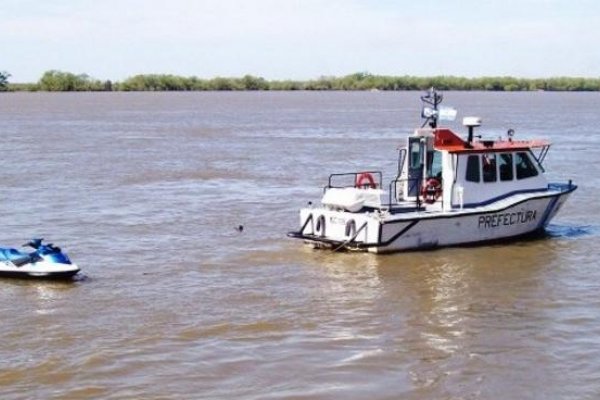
561 187
551 204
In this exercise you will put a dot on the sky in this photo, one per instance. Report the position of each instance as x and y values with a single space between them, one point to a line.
299 39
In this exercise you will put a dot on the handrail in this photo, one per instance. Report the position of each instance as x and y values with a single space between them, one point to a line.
415 186
355 175
541 157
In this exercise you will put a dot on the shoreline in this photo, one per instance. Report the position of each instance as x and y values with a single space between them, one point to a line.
58 81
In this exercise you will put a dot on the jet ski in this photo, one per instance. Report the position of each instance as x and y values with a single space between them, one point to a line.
45 261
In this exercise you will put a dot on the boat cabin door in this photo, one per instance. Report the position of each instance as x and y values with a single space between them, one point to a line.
416 161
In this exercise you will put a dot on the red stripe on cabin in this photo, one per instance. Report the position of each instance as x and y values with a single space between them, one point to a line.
449 141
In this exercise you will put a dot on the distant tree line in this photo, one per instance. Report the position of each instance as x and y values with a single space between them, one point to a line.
4 81
67 82
58 81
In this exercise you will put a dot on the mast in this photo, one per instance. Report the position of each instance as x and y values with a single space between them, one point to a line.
433 99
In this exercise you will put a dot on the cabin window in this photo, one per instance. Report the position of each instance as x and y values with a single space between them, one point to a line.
435 168
472 169
505 165
488 162
415 154
525 168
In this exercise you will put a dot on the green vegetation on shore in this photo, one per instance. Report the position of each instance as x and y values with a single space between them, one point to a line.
4 81
58 81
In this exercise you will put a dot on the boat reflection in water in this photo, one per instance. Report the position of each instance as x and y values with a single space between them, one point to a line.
467 307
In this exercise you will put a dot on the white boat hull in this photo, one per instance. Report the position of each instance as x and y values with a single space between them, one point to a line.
39 269
381 232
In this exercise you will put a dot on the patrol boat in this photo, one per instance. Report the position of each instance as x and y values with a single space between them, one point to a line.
447 191
45 261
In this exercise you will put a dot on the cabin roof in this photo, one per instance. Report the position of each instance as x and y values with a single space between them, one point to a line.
447 140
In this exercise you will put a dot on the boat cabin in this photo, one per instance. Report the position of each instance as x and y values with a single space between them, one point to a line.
443 171
440 171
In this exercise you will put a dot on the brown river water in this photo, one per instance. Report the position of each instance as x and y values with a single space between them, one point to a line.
144 191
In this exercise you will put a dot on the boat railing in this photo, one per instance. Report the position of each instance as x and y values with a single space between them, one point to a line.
371 179
396 188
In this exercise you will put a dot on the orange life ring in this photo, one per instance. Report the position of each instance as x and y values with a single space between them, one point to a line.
365 179
431 191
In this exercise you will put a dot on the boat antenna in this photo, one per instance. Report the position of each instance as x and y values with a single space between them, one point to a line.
433 99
